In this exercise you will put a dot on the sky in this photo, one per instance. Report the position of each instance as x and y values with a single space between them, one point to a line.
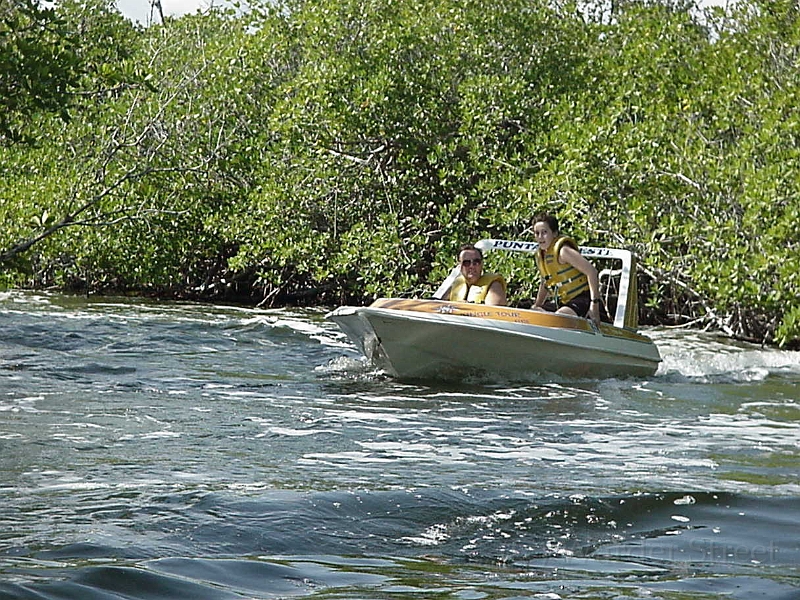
141 10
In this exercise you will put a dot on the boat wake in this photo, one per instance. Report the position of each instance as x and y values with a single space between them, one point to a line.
706 358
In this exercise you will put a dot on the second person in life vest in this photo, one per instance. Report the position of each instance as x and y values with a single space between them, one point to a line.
568 279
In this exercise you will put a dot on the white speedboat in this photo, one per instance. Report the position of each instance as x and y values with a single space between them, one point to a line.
438 339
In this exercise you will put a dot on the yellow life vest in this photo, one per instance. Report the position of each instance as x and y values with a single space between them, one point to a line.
562 279
463 292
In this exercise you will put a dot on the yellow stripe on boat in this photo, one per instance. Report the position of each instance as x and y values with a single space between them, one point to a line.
482 311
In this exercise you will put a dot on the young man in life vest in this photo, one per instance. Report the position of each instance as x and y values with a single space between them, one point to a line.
475 286
568 278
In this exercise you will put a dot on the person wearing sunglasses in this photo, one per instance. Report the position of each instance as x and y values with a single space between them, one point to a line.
473 285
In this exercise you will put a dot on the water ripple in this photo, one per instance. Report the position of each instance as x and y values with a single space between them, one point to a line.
179 450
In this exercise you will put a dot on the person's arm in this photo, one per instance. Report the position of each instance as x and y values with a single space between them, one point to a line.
577 260
541 296
496 295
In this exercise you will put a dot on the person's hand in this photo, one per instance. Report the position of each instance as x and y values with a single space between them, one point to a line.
594 312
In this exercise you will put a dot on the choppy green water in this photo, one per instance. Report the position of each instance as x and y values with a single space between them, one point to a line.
187 451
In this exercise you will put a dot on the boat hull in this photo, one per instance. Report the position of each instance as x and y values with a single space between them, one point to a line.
430 339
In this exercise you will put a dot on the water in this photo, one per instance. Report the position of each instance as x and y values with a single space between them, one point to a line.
158 450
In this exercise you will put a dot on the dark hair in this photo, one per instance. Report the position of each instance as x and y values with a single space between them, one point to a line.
469 247
551 221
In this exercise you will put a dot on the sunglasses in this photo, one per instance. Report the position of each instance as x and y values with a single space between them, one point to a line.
469 262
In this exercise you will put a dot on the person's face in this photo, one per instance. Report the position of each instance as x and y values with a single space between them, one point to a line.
543 234
471 265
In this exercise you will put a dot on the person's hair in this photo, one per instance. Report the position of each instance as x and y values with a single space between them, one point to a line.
551 221
469 247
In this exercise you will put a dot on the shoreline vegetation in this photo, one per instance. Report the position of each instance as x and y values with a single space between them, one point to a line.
322 152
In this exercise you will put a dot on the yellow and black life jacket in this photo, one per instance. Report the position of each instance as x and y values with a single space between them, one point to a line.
463 292
562 279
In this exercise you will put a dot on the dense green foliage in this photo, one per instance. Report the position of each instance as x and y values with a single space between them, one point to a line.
322 151
38 65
